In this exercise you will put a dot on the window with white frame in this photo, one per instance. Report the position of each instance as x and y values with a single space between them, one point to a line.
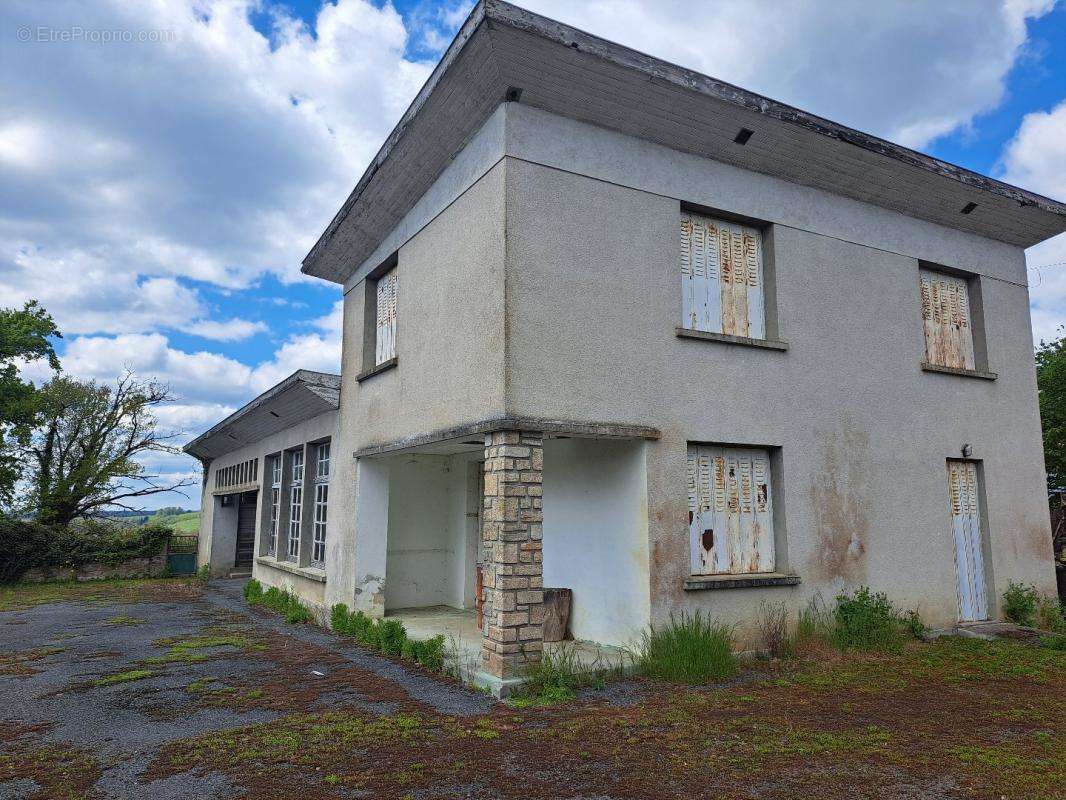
722 279
946 320
296 499
275 504
385 344
318 538
729 510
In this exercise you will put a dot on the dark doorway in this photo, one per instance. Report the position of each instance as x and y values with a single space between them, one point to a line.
245 531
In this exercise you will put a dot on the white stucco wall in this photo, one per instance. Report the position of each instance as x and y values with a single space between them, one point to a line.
596 535
430 554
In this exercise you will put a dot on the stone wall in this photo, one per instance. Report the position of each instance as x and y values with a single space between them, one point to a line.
513 574
134 568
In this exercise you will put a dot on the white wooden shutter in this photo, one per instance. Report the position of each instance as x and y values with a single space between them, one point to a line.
966 534
946 320
730 516
385 348
721 277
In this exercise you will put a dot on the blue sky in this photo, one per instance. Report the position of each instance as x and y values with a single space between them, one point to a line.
157 194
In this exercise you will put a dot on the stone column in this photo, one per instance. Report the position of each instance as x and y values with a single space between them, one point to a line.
513 571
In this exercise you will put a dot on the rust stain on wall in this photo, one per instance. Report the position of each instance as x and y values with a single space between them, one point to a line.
840 503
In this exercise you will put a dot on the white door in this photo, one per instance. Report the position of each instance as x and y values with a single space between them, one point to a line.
966 532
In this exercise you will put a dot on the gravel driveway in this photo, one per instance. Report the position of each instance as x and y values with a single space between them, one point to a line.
93 690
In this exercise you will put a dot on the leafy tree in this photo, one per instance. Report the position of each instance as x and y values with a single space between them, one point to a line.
1051 381
83 455
24 336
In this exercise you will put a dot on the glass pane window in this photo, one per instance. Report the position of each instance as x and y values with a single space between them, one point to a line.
297 466
322 468
275 502
296 498
318 542
275 471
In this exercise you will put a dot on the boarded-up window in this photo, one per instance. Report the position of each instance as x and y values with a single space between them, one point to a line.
966 534
946 320
385 348
722 282
730 513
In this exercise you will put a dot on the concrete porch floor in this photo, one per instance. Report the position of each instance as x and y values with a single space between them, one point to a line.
462 639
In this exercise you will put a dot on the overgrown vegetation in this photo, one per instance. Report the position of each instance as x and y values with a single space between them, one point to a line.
283 602
26 544
773 630
1019 604
691 649
388 637
866 621
555 678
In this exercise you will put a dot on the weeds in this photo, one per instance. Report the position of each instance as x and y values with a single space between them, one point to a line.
866 621
388 637
284 602
1051 615
773 630
689 649
551 680
1019 604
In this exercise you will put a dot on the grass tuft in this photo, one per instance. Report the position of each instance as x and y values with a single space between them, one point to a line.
1019 604
690 649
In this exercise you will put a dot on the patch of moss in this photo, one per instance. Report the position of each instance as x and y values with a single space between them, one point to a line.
124 619
124 677
1013 770
188 651
301 739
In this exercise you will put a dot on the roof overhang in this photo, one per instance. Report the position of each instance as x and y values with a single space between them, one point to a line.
301 396
557 68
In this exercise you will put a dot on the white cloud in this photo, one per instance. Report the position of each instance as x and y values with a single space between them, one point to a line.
230 330
1036 159
908 72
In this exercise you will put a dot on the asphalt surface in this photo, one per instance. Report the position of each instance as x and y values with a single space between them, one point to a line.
124 725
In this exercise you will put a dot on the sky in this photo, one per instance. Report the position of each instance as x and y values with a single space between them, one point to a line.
166 164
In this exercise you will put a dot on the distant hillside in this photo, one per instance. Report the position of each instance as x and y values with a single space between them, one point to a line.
179 519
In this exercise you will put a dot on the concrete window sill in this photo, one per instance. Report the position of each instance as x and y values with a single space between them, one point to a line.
698 583
722 338
964 373
382 367
311 573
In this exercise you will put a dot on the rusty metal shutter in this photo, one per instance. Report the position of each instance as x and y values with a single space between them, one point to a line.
730 513
970 579
722 284
946 320
385 347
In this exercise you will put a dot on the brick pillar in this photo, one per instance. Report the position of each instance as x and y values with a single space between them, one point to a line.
513 572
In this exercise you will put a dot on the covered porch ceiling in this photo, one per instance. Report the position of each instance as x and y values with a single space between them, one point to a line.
470 438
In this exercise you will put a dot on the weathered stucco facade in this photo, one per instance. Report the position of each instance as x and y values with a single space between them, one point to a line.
539 307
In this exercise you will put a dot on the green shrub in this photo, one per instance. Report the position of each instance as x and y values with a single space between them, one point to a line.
1056 641
866 621
283 602
1019 604
391 636
204 573
690 649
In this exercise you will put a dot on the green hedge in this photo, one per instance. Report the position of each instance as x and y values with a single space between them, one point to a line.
26 545
285 603
388 637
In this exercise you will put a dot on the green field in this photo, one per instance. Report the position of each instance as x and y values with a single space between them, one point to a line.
188 522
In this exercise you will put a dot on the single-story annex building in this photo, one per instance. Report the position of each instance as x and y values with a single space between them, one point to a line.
614 326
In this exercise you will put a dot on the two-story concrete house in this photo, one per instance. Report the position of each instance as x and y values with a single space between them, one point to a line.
614 326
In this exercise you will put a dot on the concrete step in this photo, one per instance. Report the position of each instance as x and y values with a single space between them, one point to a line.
239 573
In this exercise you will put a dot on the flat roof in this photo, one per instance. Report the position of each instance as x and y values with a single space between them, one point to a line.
302 395
571 73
